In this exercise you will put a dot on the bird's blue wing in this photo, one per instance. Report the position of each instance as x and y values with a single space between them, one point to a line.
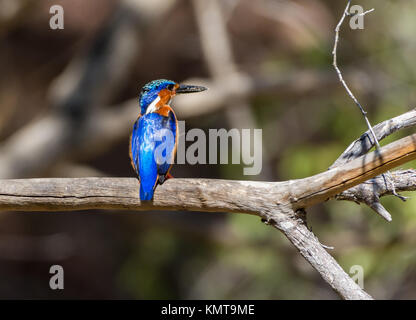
167 145
152 149
134 147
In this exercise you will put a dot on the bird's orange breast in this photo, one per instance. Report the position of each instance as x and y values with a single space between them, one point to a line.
163 108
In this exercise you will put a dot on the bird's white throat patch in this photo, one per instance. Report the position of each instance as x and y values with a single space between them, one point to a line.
152 107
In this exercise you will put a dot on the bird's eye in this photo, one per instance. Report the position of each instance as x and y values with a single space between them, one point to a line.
171 87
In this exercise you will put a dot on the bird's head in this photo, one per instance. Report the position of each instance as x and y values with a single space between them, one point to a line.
159 92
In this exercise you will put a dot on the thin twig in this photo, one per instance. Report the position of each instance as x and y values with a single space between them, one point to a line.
387 176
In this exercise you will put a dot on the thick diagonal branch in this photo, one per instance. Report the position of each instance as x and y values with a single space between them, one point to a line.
312 250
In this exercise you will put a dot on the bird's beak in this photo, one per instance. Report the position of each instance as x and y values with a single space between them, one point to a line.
183 88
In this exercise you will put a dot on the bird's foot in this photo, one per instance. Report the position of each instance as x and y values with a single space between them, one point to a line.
163 178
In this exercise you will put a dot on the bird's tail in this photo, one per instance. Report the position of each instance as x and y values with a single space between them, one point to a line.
146 195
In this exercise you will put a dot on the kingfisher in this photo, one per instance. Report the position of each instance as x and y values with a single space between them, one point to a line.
154 139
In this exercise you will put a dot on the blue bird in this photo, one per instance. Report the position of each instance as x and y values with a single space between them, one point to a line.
153 142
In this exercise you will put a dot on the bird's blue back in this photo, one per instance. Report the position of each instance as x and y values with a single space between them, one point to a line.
149 133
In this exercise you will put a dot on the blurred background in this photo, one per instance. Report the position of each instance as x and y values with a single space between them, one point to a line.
68 100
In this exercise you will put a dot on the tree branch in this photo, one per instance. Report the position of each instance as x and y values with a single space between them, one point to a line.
202 194
361 146
371 191
313 251
365 142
